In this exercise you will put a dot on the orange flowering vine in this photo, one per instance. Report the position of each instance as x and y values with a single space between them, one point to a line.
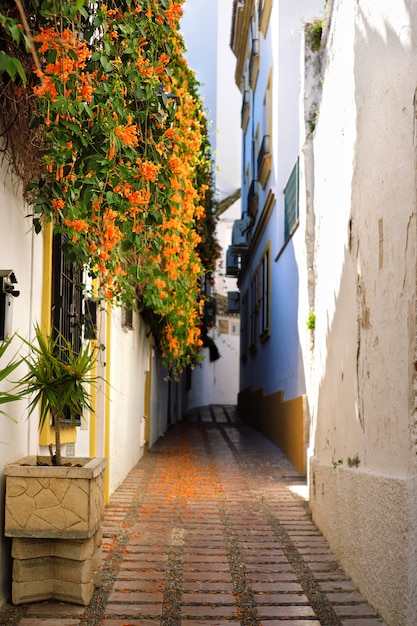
127 167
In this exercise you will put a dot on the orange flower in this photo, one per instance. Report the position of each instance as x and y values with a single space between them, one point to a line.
169 133
77 225
57 203
175 164
149 171
128 134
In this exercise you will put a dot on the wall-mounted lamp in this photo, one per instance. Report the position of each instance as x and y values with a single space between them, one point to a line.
7 295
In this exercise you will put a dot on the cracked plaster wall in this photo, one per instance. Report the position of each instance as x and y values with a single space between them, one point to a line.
362 399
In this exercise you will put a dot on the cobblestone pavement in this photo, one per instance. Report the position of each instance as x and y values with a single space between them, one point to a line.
209 529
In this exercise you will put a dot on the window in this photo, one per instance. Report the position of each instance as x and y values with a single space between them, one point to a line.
264 291
67 300
291 192
127 319
254 156
67 294
244 325
253 313
253 199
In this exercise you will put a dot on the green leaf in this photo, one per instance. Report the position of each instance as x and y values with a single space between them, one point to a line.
15 32
11 65
37 224
112 198
106 65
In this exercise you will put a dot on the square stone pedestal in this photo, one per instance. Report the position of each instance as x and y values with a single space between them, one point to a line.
54 516
52 569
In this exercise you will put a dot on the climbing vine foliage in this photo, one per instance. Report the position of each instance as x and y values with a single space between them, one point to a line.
125 162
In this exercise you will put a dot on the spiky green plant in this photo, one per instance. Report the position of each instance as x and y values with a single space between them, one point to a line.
58 381
5 371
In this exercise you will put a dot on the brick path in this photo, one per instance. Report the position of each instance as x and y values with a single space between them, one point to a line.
209 529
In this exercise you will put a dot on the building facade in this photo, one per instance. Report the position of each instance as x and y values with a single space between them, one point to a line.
267 248
329 244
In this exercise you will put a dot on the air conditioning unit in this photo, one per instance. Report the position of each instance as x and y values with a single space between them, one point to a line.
239 242
233 301
232 263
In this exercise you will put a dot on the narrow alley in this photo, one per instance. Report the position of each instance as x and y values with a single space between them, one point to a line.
211 527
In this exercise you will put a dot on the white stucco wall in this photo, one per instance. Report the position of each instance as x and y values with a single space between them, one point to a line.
129 364
362 400
21 251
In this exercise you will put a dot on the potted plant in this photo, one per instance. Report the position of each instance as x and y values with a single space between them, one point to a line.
54 509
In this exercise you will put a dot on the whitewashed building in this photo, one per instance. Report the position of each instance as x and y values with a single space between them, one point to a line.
335 89
267 245
363 471
206 29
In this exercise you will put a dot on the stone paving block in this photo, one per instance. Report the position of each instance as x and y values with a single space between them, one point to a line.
344 597
210 586
121 621
337 585
133 610
353 610
267 588
139 597
280 598
207 598
208 611
31 621
129 574
296 622
362 621
285 611
210 622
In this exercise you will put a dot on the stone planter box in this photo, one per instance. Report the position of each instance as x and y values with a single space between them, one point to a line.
54 515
